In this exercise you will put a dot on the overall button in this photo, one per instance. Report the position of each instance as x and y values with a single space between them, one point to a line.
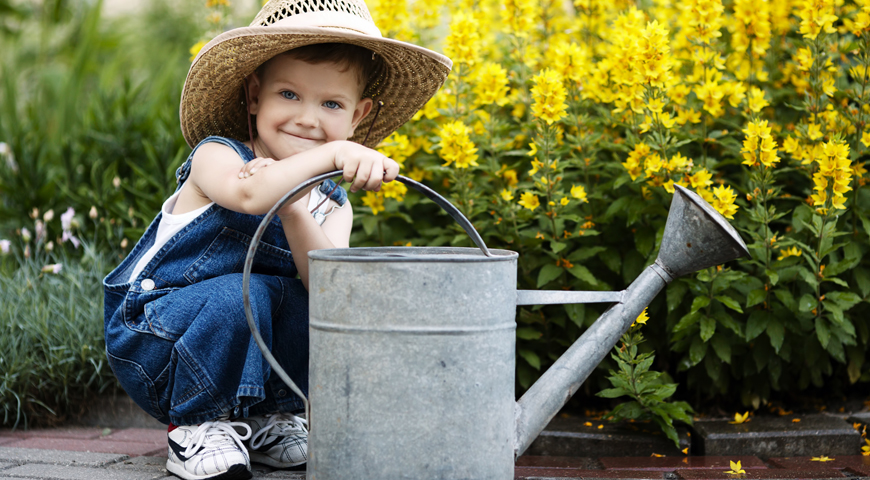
147 284
282 393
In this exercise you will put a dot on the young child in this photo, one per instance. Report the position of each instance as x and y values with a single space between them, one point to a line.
265 107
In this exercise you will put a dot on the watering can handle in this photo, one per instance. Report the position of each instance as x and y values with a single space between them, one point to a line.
291 195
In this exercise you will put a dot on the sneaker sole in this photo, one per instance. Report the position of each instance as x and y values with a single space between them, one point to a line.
236 472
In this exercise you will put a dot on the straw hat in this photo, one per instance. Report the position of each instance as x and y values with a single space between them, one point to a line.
212 102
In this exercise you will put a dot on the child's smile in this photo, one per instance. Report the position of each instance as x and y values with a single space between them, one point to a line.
300 106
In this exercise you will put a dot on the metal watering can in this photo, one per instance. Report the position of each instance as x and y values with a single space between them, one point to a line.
412 349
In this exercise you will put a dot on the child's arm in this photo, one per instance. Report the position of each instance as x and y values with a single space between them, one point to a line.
215 177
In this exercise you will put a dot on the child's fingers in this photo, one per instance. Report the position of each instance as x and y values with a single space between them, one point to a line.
251 167
391 170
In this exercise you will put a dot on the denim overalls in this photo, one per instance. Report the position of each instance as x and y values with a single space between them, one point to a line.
177 337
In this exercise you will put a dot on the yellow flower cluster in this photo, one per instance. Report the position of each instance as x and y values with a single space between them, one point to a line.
816 16
704 19
654 59
519 16
750 31
456 146
492 85
759 147
723 201
529 200
549 97
392 18
835 172
463 43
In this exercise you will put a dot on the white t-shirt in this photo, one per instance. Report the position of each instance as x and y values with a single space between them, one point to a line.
170 224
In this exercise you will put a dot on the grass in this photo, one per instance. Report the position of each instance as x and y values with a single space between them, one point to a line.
51 337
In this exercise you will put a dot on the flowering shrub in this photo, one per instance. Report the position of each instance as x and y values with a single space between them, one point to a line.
561 133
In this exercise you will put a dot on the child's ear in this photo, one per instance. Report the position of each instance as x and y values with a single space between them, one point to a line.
252 85
362 109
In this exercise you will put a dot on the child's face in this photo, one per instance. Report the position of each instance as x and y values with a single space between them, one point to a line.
300 106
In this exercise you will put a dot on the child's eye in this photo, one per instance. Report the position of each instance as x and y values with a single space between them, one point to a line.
331 105
288 95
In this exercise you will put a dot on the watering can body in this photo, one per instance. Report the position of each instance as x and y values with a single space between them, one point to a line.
412 365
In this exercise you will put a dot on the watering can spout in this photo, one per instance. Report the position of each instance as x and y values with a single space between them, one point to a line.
696 237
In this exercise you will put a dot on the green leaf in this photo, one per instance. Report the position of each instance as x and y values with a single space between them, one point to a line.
557 247
823 332
675 293
835 311
722 347
531 358
612 393
576 312
856 360
583 273
773 276
845 300
708 328
697 351
757 323
776 332
838 281
808 277
729 302
786 298
806 303
862 279
611 259
528 333
755 297
548 273
583 253
687 321
370 224
699 303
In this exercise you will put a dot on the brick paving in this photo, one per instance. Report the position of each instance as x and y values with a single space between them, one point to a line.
93 453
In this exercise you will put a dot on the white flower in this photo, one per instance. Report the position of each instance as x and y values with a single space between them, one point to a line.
25 234
116 182
48 216
66 218
67 235
40 231
49 246
6 151
5 246
55 268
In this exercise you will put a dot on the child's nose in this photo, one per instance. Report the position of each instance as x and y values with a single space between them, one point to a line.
307 116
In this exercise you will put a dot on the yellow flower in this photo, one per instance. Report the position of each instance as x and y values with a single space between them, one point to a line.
677 162
701 179
396 146
395 190
194 50
492 85
723 201
642 318
529 200
740 419
510 176
865 138
816 15
756 99
533 150
814 131
789 252
463 43
578 192
374 201
549 97
506 195
654 57
823 458
564 201
736 468
519 16
456 147
804 58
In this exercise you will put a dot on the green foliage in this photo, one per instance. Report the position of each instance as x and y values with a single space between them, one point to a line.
647 389
51 336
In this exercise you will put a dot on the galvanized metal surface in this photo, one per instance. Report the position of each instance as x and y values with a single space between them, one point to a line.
412 364
562 297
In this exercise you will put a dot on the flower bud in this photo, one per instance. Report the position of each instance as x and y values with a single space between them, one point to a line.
124 243
25 234
92 213
48 216
116 182
49 246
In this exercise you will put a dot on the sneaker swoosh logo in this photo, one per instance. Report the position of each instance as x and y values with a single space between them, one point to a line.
178 449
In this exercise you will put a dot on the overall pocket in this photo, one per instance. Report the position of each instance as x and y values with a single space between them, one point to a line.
226 255
138 385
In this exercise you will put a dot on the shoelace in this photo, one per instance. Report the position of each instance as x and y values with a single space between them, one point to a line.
286 423
213 434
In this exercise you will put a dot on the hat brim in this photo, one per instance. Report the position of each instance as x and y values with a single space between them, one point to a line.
211 101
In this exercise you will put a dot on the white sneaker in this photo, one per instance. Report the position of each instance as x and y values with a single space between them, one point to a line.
280 440
212 450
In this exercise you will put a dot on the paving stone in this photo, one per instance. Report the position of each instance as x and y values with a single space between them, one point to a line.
580 463
699 474
57 472
284 474
767 437
56 457
128 448
6 440
861 417
79 433
527 473
143 464
860 471
568 437
670 464
807 463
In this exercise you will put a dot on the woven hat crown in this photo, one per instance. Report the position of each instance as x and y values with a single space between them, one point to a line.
349 14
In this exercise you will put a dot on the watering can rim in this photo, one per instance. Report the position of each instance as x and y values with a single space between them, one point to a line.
382 254
718 218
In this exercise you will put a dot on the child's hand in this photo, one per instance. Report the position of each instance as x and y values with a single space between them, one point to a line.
366 168
254 165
